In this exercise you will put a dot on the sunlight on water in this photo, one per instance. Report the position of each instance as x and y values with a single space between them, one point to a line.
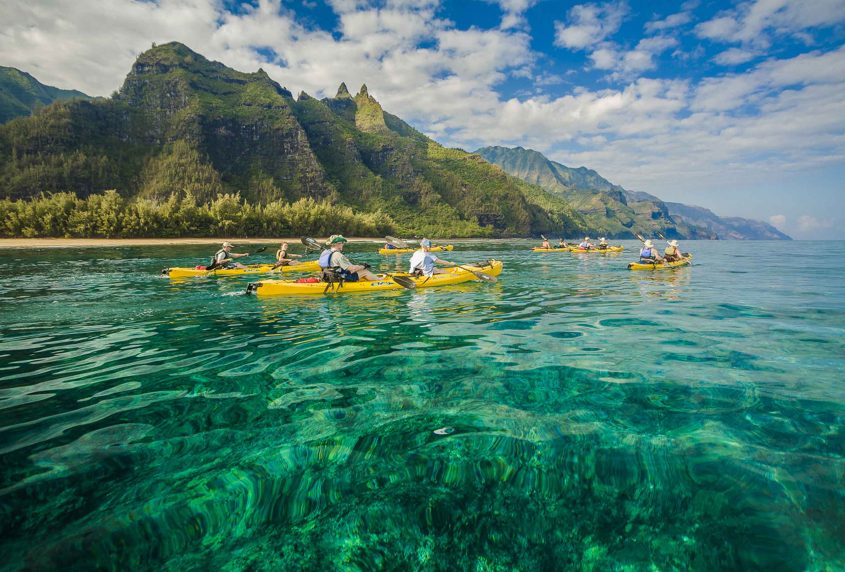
575 415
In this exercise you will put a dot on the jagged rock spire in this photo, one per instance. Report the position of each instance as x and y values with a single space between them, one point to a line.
364 91
342 91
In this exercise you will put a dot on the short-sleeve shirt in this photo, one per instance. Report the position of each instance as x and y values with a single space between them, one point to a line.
424 261
338 259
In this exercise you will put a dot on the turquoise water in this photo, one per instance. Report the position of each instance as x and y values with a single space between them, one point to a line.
573 416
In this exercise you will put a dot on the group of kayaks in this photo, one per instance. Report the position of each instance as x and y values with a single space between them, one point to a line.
640 265
486 271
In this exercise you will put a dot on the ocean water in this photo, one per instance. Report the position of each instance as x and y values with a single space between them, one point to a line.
573 416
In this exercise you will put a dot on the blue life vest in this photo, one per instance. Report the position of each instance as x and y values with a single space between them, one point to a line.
326 258
647 253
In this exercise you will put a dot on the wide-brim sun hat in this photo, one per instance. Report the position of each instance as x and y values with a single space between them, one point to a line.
602 239
336 238
649 243
673 243
228 245
586 238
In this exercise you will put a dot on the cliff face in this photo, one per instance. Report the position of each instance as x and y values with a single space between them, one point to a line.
182 124
608 209
21 94
617 212
726 228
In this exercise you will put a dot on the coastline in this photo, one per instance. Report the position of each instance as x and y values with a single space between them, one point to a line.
9 243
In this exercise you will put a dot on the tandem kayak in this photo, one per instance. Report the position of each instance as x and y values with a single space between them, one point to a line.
453 275
407 250
686 261
598 250
562 249
308 266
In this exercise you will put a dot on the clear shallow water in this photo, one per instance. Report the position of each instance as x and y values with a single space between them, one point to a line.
573 416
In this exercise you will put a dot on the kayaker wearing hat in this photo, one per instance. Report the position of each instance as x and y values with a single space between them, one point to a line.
602 244
423 261
586 244
672 252
224 256
649 254
332 260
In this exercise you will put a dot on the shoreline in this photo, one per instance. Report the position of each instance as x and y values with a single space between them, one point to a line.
9 243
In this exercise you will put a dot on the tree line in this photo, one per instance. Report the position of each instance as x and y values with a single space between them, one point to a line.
109 215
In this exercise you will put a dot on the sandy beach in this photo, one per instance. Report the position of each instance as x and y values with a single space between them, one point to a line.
7 243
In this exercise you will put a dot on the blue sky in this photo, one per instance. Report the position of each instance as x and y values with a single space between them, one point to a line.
735 106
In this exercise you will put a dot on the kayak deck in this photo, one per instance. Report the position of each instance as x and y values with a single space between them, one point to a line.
597 250
407 250
686 261
562 249
182 272
385 282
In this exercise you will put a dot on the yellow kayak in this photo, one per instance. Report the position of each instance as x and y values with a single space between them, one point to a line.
308 266
562 249
598 250
407 250
662 265
453 275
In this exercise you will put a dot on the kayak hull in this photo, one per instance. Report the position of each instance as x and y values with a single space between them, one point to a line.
293 288
564 249
444 248
598 250
309 266
662 266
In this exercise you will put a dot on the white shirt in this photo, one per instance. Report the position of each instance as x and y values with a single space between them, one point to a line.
424 261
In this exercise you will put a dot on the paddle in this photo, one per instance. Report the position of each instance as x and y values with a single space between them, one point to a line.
397 242
480 275
215 265
401 280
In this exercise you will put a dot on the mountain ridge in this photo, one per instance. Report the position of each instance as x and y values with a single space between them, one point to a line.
625 212
186 127
21 94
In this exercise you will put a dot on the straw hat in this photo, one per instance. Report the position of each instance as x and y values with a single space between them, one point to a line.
228 245
673 243
649 244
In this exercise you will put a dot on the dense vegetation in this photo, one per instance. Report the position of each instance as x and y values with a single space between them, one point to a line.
184 130
21 94
109 215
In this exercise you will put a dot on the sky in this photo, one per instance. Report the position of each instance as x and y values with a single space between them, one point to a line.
735 106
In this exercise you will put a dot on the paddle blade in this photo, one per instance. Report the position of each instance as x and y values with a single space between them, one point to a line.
404 282
486 277
310 243
262 249
396 242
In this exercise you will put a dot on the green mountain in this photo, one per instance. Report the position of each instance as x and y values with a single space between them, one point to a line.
608 209
185 127
725 228
21 94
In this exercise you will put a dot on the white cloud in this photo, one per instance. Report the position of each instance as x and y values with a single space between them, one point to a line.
810 224
735 56
755 22
778 221
669 22
589 24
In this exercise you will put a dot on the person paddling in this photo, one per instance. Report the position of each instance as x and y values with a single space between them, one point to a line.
649 254
545 243
223 258
423 261
283 257
335 265
561 243
586 244
602 244
672 252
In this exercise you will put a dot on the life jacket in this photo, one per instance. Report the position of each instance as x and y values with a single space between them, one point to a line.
216 254
325 260
334 273
647 253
